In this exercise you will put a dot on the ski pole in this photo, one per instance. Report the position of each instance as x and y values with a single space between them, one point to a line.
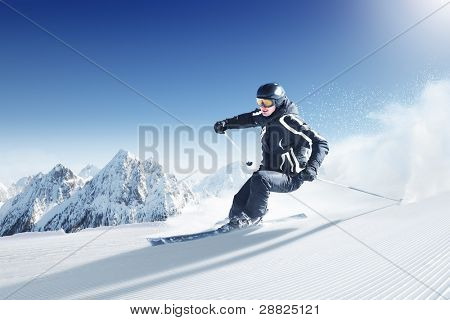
359 190
233 143
248 163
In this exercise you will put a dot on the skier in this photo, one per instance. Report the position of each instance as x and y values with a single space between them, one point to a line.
292 153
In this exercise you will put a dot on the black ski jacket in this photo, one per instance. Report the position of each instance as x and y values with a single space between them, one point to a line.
288 143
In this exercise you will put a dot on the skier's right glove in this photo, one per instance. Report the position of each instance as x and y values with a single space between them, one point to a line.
220 126
308 174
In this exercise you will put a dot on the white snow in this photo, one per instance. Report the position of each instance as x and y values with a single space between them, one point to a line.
304 259
409 158
4 194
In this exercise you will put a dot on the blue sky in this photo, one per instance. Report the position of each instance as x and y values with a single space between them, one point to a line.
201 61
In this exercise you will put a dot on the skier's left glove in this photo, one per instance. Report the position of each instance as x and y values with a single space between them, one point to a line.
308 174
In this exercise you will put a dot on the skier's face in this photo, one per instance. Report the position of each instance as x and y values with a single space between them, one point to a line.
267 106
266 112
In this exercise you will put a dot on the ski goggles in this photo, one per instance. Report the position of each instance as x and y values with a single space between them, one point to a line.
267 103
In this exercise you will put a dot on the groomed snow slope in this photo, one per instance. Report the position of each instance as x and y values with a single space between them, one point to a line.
401 253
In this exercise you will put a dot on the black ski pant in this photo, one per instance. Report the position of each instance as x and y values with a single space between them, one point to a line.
252 198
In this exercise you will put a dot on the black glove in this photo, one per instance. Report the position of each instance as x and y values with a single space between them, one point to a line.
308 174
302 157
220 127
302 164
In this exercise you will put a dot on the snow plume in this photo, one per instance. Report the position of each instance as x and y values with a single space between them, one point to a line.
409 158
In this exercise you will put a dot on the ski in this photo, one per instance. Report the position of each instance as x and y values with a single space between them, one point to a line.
214 232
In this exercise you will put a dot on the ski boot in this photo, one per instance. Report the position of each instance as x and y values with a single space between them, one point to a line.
239 221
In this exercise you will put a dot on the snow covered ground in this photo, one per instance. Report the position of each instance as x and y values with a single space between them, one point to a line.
350 251
351 246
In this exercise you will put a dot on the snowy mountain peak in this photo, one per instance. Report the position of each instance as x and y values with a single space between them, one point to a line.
126 190
89 172
59 167
123 155
61 172
3 187
43 192
19 186
4 194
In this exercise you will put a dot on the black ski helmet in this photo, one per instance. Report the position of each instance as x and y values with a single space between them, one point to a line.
271 91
